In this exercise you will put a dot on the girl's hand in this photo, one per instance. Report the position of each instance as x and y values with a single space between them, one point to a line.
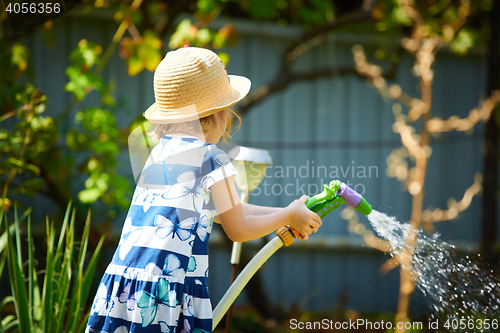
302 220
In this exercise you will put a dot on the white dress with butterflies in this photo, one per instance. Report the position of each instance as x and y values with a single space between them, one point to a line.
157 280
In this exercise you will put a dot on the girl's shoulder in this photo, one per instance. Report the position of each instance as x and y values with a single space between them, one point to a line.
216 157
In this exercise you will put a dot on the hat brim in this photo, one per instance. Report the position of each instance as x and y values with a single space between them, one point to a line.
240 84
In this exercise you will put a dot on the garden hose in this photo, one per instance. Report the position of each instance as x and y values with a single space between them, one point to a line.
333 195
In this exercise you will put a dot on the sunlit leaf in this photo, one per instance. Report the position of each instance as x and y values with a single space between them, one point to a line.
149 51
224 57
205 7
181 35
86 54
203 36
134 66
89 195
20 56
398 15
463 41
225 36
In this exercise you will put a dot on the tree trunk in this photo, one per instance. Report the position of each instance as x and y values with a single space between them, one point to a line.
490 194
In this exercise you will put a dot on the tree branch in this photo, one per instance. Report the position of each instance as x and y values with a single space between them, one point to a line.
438 215
283 80
390 264
454 123
306 41
407 138
303 42
374 74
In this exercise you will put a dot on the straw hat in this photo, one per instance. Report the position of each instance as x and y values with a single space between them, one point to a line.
192 83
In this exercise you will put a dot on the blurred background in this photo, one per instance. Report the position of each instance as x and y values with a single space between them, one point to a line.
340 90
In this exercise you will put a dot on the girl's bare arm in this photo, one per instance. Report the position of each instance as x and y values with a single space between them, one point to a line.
249 209
241 227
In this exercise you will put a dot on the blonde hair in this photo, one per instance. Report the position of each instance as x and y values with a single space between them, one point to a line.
220 121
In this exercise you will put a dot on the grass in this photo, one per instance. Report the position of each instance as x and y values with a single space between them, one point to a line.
59 306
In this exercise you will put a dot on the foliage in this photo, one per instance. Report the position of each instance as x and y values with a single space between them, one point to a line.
82 79
33 158
141 53
31 136
60 305
96 134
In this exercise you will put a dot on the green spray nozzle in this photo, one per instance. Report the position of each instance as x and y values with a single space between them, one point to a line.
335 194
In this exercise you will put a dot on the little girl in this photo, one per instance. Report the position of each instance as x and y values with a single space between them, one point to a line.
157 279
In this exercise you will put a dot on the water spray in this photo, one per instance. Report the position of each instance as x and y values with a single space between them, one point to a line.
333 196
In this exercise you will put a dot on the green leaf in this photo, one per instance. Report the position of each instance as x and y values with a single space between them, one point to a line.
20 56
463 41
4 323
205 7
47 294
134 66
17 279
226 36
3 238
17 226
66 269
13 162
3 259
86 54
31 269
89 195
90 272
82 81
224 57
64 227
398 15
83 324
181 35
78 83
203 36
7 300
75 307
149 51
